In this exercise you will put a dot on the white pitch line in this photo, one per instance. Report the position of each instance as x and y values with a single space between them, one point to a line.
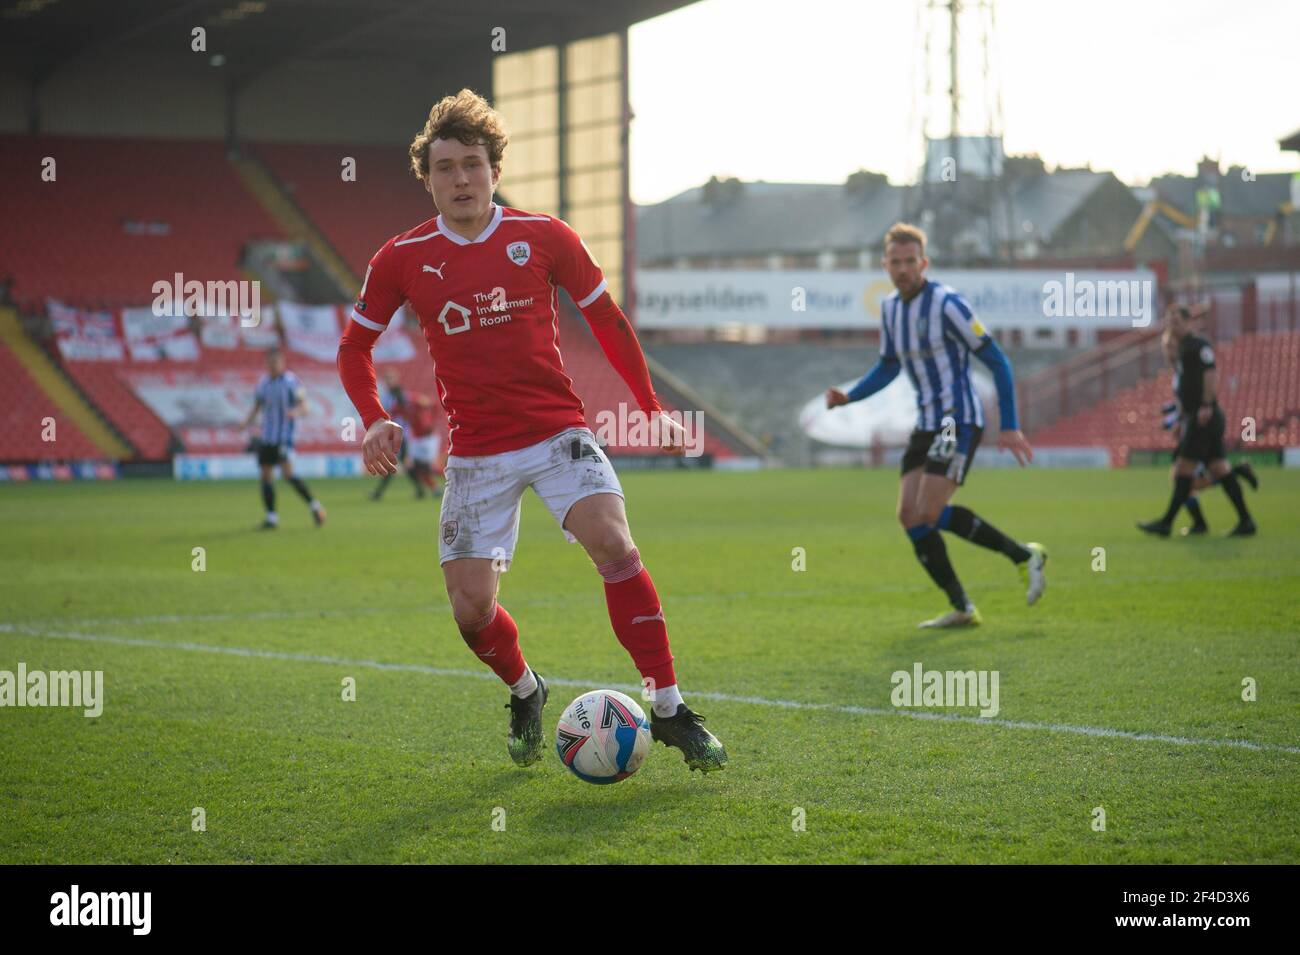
1069 728
592 598
442 607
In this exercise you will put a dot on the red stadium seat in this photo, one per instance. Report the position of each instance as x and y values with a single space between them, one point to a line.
85 236
1259 379
87 240
26 406
103 383
356 217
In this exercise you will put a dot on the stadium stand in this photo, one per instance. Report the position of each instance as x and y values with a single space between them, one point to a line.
26 406
764 386
356 217
601 389
104 384
1259 378
127 213
41 372
121 215
108 386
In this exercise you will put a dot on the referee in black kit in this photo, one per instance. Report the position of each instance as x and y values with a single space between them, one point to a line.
1203 426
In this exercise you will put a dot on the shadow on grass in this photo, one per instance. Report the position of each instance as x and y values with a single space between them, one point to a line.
542 812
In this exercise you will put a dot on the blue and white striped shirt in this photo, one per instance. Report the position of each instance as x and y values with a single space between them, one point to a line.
932 336
275 396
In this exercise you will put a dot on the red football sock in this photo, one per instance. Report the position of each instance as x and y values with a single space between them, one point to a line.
638 618
495 639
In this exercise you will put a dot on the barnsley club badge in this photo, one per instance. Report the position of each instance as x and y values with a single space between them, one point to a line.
518 252
449 529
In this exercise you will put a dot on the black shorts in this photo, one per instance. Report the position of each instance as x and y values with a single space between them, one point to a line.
269 455
950 458
1203 443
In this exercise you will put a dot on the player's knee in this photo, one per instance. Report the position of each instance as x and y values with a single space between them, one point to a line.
928 514
609 543
469 605
909 516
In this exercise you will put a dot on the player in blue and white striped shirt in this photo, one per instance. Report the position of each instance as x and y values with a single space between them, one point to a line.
928 331
281 400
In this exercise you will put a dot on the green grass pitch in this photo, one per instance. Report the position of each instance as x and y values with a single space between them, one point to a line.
224 687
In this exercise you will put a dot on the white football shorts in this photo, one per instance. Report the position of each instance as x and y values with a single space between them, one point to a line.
481 502
425 450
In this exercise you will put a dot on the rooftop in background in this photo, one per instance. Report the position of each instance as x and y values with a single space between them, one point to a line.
729 220
1241 192
988 209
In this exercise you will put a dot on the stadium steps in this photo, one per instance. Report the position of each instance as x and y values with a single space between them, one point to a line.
359 215
50 349
284 211
24 408
679 393
58 389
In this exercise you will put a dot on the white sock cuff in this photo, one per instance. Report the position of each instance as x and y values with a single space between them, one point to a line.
667 699
526 685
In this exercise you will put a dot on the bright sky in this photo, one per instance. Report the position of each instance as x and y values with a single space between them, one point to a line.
811 90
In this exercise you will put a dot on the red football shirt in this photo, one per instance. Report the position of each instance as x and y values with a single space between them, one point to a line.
488 308
419 413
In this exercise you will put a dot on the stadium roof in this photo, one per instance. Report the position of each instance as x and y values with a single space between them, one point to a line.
757 218
41 36
1050 199
1257 196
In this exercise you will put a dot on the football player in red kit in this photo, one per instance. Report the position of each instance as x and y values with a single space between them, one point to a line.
425 441
484 281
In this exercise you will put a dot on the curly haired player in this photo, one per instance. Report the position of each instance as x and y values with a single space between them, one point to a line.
484 281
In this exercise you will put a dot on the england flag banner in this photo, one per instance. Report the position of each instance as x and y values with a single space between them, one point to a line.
151 337
84 335
311 330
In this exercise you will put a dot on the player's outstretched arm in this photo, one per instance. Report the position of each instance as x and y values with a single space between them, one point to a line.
881 374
